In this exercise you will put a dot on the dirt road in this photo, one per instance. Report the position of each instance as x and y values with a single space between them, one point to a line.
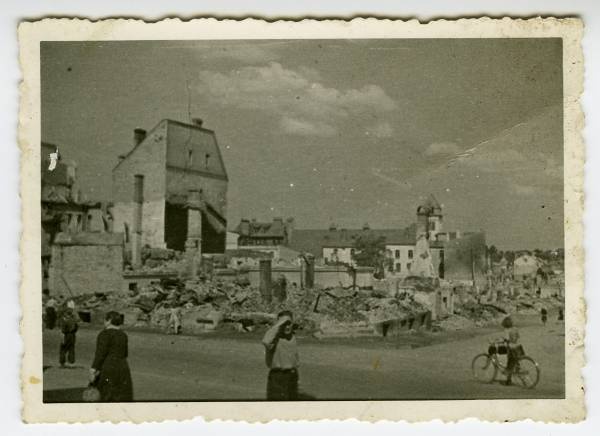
200 368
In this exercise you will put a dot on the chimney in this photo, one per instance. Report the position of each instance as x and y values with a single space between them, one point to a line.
245 227
138 136
136 233
289 230
197 122
265 275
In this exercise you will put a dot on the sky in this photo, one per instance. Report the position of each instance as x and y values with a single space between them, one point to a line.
334 131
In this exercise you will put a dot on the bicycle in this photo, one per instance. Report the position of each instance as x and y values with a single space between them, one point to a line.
485 366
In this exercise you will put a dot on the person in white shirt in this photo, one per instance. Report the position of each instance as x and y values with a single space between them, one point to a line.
282 359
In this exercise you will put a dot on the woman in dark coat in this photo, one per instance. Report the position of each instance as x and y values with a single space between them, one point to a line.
110 371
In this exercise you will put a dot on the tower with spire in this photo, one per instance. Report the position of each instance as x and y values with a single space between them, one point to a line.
429 218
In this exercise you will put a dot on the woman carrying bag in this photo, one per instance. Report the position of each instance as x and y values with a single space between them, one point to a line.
110 371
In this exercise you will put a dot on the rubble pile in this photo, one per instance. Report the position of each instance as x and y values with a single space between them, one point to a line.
160 260
472 309
478 314
205 305
211 302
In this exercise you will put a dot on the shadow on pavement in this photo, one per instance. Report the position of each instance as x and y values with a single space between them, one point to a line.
70 395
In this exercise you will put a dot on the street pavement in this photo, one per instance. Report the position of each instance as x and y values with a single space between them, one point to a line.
203 368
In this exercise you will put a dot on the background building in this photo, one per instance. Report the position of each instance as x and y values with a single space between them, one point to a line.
452 255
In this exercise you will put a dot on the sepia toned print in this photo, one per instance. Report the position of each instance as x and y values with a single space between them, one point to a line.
377 219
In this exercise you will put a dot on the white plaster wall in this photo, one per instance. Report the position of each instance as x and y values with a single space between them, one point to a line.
344 254
404 258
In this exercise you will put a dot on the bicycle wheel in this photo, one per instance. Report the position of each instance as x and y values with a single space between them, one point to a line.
483 368
527 372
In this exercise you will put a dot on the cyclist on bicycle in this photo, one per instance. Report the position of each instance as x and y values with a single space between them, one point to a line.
514 348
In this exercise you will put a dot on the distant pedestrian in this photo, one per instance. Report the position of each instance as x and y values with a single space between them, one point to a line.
282 359
50 310
280 289
68 323
561 314
110 371
544 314
174 324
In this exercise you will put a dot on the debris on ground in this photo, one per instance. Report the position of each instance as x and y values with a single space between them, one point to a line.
211 302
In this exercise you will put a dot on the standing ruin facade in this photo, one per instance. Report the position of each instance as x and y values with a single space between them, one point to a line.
170 190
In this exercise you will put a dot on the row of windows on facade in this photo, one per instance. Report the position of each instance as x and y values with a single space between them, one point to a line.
191 158
397 254
398 267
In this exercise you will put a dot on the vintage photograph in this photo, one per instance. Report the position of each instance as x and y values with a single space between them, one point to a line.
321 219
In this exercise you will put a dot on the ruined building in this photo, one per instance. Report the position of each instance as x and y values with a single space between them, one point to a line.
75 258
264 234
422 248
61 207
170 190
267 237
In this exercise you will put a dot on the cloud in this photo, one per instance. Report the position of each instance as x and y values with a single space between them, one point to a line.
441 149
497 160
401 184
297 97
306 128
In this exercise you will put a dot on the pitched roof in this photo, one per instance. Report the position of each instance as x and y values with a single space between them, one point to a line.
182 138
190 140
313 240
256 229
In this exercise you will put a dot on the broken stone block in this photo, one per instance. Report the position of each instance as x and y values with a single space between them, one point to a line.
216 318
152 263
160 317
160 253
200 319
131 315
331 328
145 303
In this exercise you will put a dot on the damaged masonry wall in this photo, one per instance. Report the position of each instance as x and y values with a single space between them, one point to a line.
324 277
148 159
465 258
86 263
173 159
